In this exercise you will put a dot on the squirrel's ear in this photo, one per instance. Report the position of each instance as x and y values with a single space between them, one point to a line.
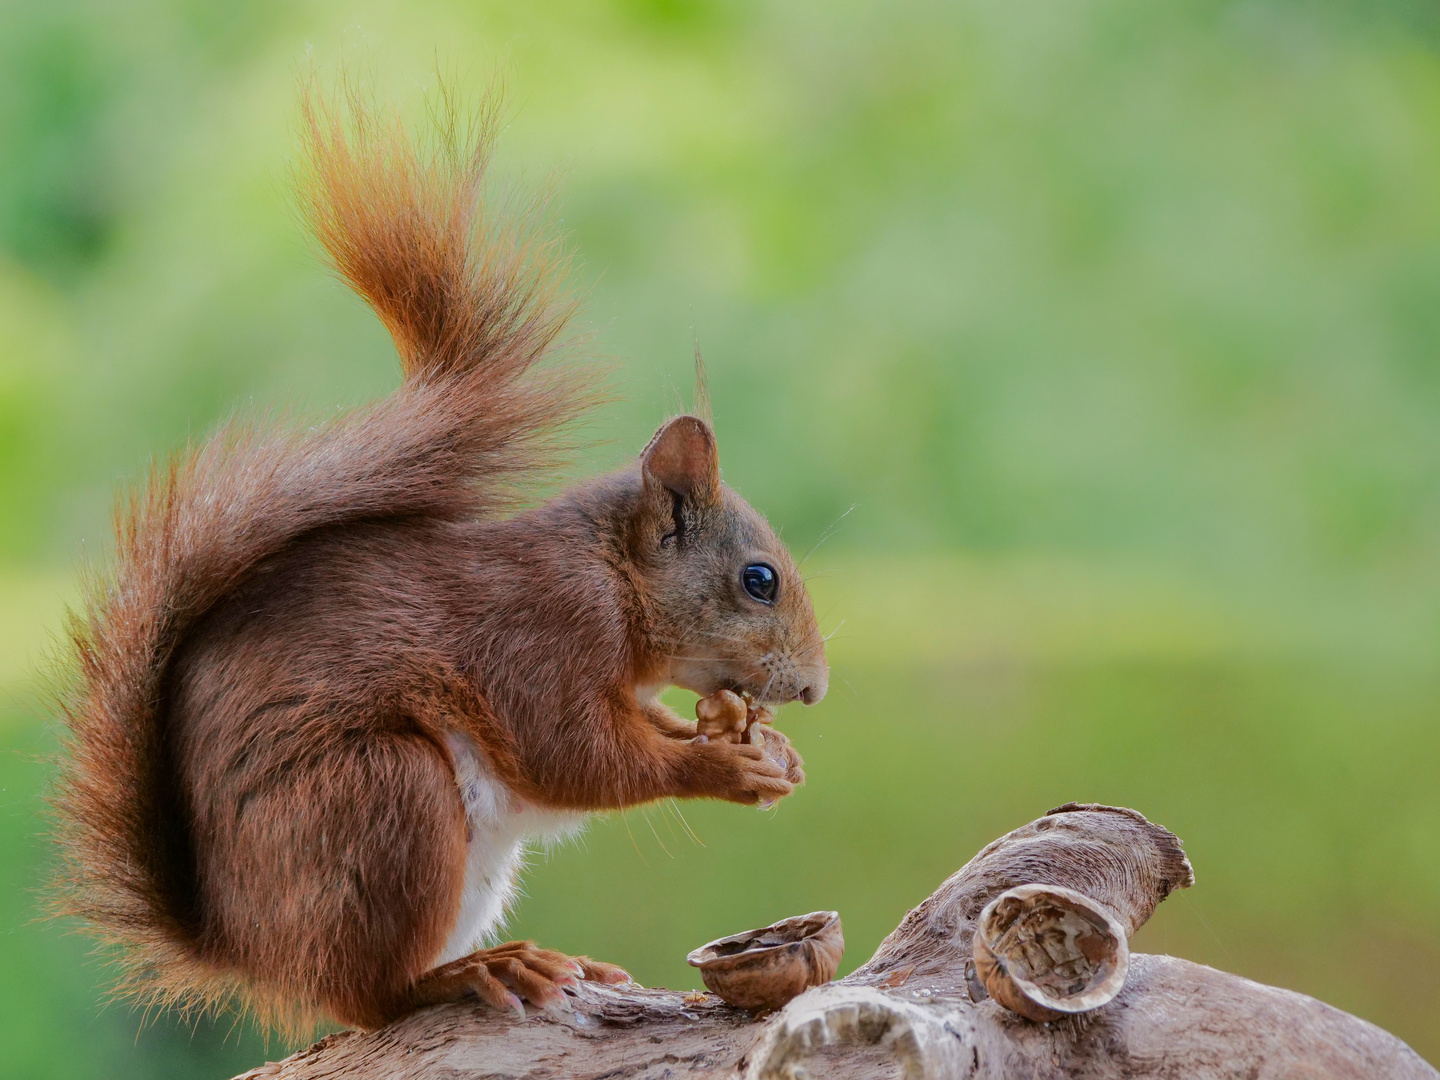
682 458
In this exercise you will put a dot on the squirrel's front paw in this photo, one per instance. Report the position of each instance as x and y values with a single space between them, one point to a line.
744 774
778 749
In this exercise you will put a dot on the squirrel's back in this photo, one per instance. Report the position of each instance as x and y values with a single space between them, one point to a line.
474 305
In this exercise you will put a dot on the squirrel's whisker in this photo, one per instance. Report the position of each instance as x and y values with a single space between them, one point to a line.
829 532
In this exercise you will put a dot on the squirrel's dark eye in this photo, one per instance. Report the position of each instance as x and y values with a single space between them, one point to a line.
761 582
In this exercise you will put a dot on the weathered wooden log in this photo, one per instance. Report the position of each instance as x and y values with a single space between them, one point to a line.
910 1011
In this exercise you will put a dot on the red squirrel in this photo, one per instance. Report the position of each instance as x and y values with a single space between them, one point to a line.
333 682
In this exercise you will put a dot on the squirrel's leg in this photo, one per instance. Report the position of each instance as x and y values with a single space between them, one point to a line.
330 858
667 722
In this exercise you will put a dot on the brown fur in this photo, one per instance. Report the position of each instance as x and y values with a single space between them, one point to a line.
259 799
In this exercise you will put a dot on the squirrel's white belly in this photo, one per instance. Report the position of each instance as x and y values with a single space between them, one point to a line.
500 825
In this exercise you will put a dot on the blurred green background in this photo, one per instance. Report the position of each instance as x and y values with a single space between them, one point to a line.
1116 322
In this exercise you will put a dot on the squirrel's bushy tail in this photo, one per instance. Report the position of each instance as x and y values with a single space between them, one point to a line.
474 305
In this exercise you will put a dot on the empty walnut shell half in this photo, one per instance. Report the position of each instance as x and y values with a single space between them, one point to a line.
763 969
1044 952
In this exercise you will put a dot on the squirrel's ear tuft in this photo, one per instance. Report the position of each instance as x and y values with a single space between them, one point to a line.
683 459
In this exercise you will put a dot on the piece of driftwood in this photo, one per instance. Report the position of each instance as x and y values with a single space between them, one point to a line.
911 1011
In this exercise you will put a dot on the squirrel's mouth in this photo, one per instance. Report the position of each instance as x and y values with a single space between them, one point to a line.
767 700
757 686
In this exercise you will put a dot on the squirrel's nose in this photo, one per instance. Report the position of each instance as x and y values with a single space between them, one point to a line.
811 694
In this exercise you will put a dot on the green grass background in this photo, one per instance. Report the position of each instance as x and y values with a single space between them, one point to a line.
1116 323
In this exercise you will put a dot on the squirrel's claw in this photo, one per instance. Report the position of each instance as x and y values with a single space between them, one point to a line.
601 972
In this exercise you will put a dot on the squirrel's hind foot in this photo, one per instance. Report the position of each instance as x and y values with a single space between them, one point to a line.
509 975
